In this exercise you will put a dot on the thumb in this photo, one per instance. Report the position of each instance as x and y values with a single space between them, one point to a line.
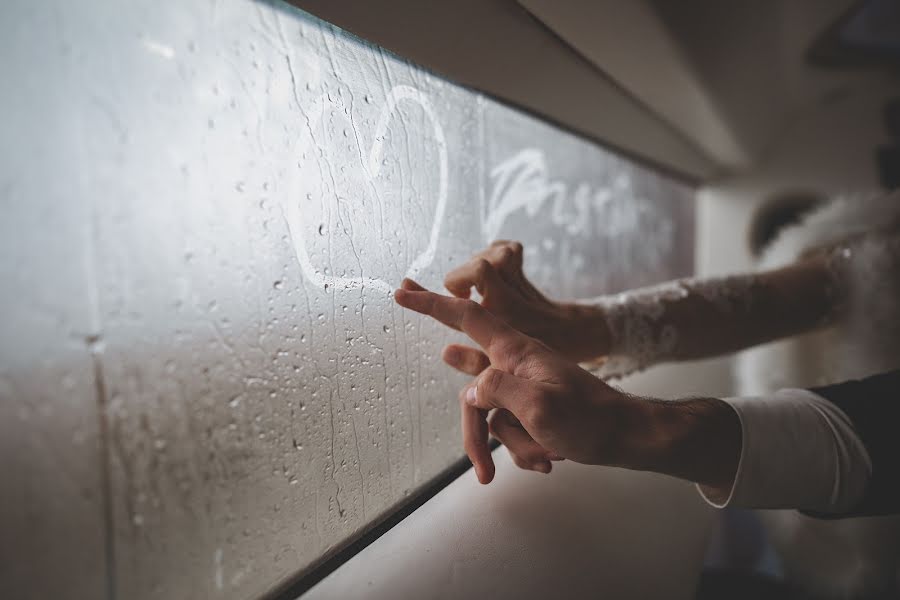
499 389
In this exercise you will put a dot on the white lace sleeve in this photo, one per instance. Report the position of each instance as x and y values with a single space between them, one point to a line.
640 325
691 318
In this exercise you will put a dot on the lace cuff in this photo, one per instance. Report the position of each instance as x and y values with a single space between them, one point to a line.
641 332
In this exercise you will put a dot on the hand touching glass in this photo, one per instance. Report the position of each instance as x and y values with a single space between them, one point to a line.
577 332
548 408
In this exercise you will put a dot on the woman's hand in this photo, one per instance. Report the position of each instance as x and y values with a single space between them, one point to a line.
577 332
547 408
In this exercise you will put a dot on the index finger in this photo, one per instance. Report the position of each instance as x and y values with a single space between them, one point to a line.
465 315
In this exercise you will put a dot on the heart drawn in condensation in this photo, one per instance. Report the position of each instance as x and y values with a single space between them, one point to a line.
338 197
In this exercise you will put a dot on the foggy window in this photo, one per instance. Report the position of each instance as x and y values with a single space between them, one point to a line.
205 387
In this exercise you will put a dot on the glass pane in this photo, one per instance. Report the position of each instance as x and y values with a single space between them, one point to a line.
206 206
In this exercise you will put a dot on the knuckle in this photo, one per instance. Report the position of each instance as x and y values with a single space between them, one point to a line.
517 351
499 423
517 248
519 462
465 304
537 418
532 362
490 381
482 267
540 411
531 346
533 454
495 429
520 353
469 308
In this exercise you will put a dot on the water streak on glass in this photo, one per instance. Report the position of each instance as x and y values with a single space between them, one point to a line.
204 384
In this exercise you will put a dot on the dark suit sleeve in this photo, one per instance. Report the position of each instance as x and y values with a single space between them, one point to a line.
873 406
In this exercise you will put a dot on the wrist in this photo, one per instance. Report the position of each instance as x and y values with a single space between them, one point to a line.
698 439
646 434
626 436
584 333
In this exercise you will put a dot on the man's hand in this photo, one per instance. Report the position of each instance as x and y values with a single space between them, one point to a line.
577 332
545 407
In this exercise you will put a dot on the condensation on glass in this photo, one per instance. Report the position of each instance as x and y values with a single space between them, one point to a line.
204 384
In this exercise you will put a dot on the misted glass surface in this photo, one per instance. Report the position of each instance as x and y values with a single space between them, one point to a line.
204 384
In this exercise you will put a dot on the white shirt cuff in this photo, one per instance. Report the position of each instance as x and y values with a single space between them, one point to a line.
799 451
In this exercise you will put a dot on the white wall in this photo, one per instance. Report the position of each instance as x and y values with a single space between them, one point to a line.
827 147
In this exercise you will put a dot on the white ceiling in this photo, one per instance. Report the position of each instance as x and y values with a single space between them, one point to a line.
701 87
498 47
